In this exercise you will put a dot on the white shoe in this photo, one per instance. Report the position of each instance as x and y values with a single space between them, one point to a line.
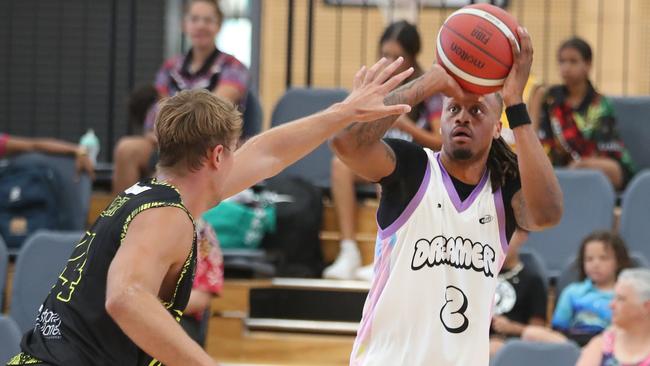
347 262
365 273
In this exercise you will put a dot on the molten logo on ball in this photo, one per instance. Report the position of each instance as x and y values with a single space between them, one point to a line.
465 56
474 46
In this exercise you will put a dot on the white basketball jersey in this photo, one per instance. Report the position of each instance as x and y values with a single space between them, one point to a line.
436 270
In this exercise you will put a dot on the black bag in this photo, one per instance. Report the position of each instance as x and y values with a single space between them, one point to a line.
28 201
296 241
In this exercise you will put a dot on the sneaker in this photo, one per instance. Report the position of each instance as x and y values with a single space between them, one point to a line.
365 273
348 260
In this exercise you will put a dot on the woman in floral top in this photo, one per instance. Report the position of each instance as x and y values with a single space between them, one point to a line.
577 125
208 279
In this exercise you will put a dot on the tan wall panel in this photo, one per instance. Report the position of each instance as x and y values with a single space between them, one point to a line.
273 54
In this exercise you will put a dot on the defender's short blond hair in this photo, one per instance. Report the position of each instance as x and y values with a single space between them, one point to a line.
191 123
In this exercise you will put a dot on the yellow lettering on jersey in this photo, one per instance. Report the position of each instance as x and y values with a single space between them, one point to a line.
114 206
73 271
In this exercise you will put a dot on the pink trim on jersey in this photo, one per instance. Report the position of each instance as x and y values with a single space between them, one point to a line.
382 273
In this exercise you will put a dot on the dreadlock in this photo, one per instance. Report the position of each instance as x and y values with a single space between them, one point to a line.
502 163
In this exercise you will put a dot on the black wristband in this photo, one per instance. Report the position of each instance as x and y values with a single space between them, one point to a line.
517 115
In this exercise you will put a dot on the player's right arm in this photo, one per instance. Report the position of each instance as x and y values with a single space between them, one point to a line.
156 245
360 146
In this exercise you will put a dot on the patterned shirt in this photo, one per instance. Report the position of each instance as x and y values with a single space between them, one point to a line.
219 68
570 134
209 267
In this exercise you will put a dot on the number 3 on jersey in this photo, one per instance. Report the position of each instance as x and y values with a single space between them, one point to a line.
71 275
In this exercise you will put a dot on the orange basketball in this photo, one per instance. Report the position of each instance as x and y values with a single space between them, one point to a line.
473 47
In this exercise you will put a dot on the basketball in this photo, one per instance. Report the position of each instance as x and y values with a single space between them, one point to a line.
473 47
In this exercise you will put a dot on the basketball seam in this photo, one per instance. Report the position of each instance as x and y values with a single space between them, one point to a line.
477 47
492 18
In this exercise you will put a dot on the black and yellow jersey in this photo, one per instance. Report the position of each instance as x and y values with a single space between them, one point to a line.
72 326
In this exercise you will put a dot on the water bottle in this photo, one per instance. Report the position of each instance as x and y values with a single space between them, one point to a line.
90 141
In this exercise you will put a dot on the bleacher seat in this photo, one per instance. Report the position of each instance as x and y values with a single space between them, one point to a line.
588 206
9 339
518 353
253 116
297 103
634 227
75 190
633 121
40 261
535 263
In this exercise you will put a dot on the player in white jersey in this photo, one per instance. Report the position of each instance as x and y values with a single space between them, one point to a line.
445 220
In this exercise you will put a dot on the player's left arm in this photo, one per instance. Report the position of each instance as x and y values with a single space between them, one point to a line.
538 204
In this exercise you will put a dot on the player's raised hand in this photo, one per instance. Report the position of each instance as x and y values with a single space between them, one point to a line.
443 82
513 88
370 88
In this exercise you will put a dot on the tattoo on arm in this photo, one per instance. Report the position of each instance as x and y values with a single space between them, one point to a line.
366 133
520 210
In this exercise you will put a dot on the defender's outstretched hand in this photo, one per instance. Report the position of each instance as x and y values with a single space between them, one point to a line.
371 86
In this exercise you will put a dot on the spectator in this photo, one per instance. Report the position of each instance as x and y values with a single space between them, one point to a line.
421 125
132 156
627 342
10 145
204 66
577 125
520 297
208 280
582 311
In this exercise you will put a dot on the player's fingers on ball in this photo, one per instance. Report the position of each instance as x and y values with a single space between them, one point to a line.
524 36
514 48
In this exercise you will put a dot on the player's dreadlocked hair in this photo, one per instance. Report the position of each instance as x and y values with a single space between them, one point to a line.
502 163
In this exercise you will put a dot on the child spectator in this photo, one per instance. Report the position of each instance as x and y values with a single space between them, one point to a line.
583 310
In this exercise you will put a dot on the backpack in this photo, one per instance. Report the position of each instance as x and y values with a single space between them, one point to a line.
296 240
28 200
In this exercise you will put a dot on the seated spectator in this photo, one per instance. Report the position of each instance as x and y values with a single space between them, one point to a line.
421 125
520 297
577 126
208 279
627 342
583 311
204 66
10 145
132 155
